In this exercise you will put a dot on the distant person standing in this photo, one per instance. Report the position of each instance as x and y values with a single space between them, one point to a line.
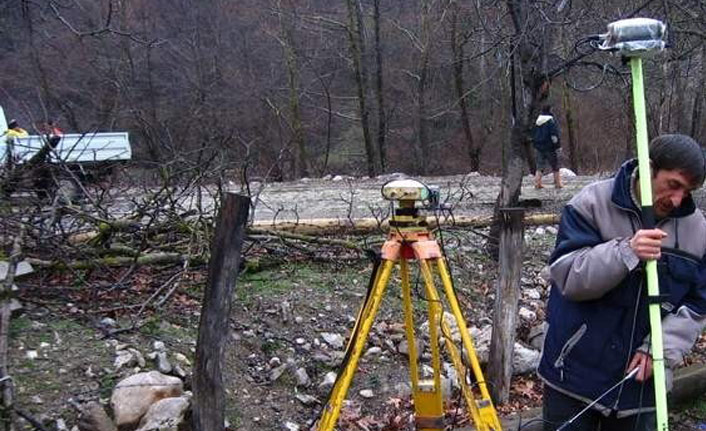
13 131
53 132
545 138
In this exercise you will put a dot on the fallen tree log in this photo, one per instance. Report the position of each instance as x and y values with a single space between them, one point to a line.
368 225
144 259
323 226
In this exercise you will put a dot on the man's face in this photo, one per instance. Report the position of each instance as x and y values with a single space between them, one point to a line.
669 188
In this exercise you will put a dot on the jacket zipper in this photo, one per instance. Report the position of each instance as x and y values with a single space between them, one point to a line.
567 348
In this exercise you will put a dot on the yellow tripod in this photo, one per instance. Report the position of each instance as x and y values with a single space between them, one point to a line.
410 239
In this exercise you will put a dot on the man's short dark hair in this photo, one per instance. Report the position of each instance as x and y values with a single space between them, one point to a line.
12 124
680 153
547 110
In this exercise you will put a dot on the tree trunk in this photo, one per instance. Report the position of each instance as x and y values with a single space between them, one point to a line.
506 302
223 268
472 147
358 54
697 109
424 156
301 168
570 129
382 120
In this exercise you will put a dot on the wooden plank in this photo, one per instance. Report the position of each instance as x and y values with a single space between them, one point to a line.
506 303
209 396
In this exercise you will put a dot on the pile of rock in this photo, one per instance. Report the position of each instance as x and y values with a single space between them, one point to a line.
148 401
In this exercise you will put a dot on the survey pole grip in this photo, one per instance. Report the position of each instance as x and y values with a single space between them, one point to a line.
648 222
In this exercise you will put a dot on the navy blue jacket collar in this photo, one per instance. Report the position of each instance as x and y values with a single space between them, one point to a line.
621 192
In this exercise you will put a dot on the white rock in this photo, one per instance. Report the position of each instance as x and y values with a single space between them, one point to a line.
165 415
373 351
32 354
338 178
567 173
532 293
163 364
302 377
540 231
182 358
333 340
133 396
124 358
329 380
159 346
526 314
524 360
290 426
107 321
552 230
366 393
307 400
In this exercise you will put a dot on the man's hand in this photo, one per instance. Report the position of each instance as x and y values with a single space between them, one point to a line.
643 361
646 243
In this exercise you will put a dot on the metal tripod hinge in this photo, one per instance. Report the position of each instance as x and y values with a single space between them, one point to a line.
410 239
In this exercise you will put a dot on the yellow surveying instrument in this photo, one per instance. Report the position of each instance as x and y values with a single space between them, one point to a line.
409 238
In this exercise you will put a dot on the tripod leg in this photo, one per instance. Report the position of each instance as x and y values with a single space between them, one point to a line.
428 399
485 405
409 324
366 318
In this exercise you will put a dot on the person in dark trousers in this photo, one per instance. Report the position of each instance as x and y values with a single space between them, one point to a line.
597 312
545 138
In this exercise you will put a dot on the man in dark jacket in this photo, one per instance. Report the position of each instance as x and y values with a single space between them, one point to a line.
597 310
545 138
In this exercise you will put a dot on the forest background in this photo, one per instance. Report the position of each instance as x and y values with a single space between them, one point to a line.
286 89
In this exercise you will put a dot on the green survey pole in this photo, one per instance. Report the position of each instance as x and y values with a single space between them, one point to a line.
648 222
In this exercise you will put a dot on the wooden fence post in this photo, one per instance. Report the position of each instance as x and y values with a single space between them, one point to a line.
209 396
506 303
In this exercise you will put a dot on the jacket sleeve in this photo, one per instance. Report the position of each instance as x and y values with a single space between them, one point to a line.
680 331
583 265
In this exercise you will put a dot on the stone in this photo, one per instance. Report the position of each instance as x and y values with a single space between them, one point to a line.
566 173
302 377
307 400
109 322
552 230
290 426
277 372
133 396
61 425
366 393
94 418
32 354
163 364
124 358
159 346
540 231
403 347
373 351
139 359
333 340
182 358
329 380
23 268
536 336
527 314
524 360
532 293
165 415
